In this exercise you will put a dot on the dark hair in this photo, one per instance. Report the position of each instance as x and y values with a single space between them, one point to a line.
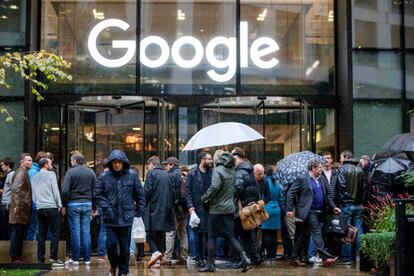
105 163
49 155
40 155
326 153
269 170
239 152
8 162
24 155
44 161
365 157
201 156
313 163
78 157
347 154
155 160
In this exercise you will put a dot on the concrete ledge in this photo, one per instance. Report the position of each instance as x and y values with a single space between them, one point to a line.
45 266
30 251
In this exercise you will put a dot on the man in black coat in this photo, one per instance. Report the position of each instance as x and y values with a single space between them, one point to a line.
312 196
247 190
180 213
159 215
197 183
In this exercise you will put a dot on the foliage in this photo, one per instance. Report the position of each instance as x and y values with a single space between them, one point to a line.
31 67
379 247
18 272
408 177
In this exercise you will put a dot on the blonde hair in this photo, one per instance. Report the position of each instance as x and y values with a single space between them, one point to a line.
217 155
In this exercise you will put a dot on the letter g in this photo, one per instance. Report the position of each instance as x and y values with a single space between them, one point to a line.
128 44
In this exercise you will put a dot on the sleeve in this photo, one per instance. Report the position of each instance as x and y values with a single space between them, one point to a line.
66 189
239 184
139 197
281 199
291 195
99 194
149 187
55 190
341 185
189 189
216 184
18 181
330 193
93 184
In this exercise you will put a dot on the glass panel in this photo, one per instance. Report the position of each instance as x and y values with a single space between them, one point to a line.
65 30
369 135
151 131
13 23
304 50
376 24
14 80
377 75
187 125
188 47
325 130
409 75
12 133
409 24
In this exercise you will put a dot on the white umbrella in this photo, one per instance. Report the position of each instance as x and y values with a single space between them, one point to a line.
222 134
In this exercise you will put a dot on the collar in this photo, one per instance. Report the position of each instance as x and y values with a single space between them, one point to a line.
316 179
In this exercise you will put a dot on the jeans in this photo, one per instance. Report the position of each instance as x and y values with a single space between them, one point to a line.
48 219
312 248
269 242
181 233
220 243
132 247
354 214
101 237
197 242
17 235
79 218
32 228
156 240
118 238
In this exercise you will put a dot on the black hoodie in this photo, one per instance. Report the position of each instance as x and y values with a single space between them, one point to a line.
247 188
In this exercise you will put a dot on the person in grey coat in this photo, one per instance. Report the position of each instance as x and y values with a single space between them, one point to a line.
159 215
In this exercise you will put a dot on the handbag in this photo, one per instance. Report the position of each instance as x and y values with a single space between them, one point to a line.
350 234
253 214
335 225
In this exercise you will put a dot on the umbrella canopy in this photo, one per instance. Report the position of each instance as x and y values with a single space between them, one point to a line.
292 166
401 142
222 134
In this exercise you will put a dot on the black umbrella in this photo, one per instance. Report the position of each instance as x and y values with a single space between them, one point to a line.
401 142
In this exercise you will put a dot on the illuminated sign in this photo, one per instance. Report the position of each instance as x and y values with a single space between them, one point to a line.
260 48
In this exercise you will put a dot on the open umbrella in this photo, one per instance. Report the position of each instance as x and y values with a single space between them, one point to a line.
401 142
222 134
292 166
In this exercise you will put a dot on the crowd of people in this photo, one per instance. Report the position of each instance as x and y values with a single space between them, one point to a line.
190 216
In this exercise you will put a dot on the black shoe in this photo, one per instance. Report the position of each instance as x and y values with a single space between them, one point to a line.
201 263
245 263
208 268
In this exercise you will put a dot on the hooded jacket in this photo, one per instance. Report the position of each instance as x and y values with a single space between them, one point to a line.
221 192
159 214
179 203
247 188
115 193
351 183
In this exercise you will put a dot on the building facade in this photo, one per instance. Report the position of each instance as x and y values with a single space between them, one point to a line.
308 74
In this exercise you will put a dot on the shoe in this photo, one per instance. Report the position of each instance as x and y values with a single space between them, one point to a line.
201 263
329 261
245 263
165 261
72 262
103 258
87 262
297 263
56 262
180 262
315 259
191 260
154 258
343 262
112 271
210 267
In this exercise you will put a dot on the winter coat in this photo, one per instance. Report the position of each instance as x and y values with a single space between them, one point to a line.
221 192
159 214
351 183
179 203
116 192
247 188
274 202
21 198
195 190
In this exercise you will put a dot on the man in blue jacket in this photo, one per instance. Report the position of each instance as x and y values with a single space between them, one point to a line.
115 193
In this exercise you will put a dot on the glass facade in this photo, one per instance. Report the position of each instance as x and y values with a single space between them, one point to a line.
13 23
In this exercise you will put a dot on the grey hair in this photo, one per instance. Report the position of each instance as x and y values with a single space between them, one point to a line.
313 163
78 157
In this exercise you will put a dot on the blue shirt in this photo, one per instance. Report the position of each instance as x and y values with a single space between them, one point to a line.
318 196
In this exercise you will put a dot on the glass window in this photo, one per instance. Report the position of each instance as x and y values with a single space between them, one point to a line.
14 80
188 126
409 24
13 132
13 23
188 47
377 74
66 30
409 75
304 50
376 24
374 124
325 130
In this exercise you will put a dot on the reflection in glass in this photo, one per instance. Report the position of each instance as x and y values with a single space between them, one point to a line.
13 23
12 143
409 75
377 75
409 24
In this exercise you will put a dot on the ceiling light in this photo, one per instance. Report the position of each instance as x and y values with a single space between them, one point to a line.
180 15
262 16
54 128
136 128
331 16
13 7
3 17
98 15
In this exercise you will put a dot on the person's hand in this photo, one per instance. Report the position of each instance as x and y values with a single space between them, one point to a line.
94 213
191 210
337 210
289 214
63 211
1 191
